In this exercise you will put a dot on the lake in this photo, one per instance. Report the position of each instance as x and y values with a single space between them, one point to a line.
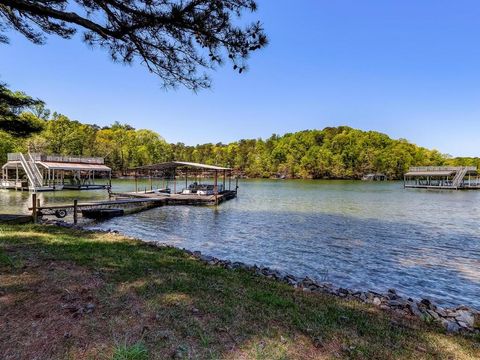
360 235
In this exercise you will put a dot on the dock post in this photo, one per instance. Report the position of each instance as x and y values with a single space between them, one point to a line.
136 184
224 179
236 186
215 187
75 208
34 207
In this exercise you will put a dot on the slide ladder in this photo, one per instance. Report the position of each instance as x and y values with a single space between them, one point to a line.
35 169
31 171
458 179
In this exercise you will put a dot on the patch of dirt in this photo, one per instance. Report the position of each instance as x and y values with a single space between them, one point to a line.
45 309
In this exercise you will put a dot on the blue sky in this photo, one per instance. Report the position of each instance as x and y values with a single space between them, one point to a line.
409 68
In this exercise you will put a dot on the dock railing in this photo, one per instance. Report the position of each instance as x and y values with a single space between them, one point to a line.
442 168
58 158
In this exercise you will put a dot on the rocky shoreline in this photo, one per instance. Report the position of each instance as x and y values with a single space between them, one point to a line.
454 320
461 319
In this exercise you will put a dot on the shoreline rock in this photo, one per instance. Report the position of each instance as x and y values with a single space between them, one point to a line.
454 320
460 319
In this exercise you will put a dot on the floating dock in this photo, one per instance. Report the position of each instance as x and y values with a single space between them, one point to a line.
179 199
443 178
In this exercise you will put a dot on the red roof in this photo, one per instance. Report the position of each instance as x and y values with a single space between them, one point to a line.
73 166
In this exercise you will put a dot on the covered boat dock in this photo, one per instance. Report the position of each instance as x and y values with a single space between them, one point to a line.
184 183
39 172
443 177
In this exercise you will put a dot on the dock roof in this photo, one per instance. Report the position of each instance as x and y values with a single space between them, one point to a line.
439 170
68 166
181 164
429 173
73 166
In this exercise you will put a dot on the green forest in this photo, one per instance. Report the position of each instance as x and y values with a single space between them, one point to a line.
334 152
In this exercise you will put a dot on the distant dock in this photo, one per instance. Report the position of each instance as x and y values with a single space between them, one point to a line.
443 178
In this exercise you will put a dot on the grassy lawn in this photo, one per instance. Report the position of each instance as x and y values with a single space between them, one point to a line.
69 294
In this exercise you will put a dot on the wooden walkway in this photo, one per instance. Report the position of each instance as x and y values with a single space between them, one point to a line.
98 204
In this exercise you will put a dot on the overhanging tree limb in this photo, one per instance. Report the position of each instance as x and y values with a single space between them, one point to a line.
11 105
176 39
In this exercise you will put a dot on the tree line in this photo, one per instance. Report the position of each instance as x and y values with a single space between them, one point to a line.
334 152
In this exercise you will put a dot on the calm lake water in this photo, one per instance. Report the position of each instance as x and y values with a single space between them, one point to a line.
354 234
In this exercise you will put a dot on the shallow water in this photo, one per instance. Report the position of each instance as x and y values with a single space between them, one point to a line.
354 234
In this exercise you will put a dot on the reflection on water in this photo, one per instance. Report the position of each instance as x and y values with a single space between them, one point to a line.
367 235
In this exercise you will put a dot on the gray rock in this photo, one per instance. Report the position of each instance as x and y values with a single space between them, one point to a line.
290 279
427 304
466 317
433 314
239 265
441 312
206 258
343 291
476 320
396 303
376 301
451 326
463 325
415 310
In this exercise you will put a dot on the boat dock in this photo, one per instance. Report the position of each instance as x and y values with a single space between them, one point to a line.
38 172
443 178
127 203
194 193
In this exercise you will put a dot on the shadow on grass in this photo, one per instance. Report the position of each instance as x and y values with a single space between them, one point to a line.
179 307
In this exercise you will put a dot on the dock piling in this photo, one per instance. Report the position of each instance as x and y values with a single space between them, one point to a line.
75 209
34 207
